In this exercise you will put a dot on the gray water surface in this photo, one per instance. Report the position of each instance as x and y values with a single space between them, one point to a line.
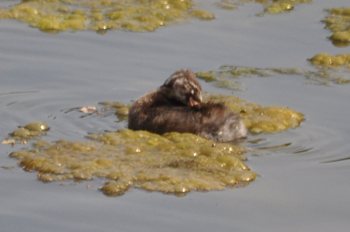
303 187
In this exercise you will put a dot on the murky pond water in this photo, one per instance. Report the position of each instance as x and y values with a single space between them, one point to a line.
303 183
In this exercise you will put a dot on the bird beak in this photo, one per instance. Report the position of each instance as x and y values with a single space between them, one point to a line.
195 100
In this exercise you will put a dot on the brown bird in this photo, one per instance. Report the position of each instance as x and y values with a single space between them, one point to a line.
177 106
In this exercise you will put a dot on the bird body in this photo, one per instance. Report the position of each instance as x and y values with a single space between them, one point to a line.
177 106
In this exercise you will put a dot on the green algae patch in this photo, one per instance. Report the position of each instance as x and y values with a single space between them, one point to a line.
202 14
53 16
270 6
37 126
259 119
172 163
228 76
326 61
31 130
339 23
219 79
121 109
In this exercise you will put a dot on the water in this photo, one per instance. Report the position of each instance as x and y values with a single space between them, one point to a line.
303 186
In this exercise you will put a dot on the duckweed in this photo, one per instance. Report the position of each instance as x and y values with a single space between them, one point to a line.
339 23
270 6
228 76
53 16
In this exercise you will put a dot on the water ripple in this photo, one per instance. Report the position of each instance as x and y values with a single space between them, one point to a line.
311 141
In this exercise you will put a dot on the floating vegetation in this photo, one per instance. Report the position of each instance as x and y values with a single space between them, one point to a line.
326 61
171 163
121 109
259 119
339 23
227 76
53 16
270 6
32 129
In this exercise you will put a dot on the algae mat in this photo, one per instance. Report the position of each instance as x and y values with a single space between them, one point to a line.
171 163
53 16
330 69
